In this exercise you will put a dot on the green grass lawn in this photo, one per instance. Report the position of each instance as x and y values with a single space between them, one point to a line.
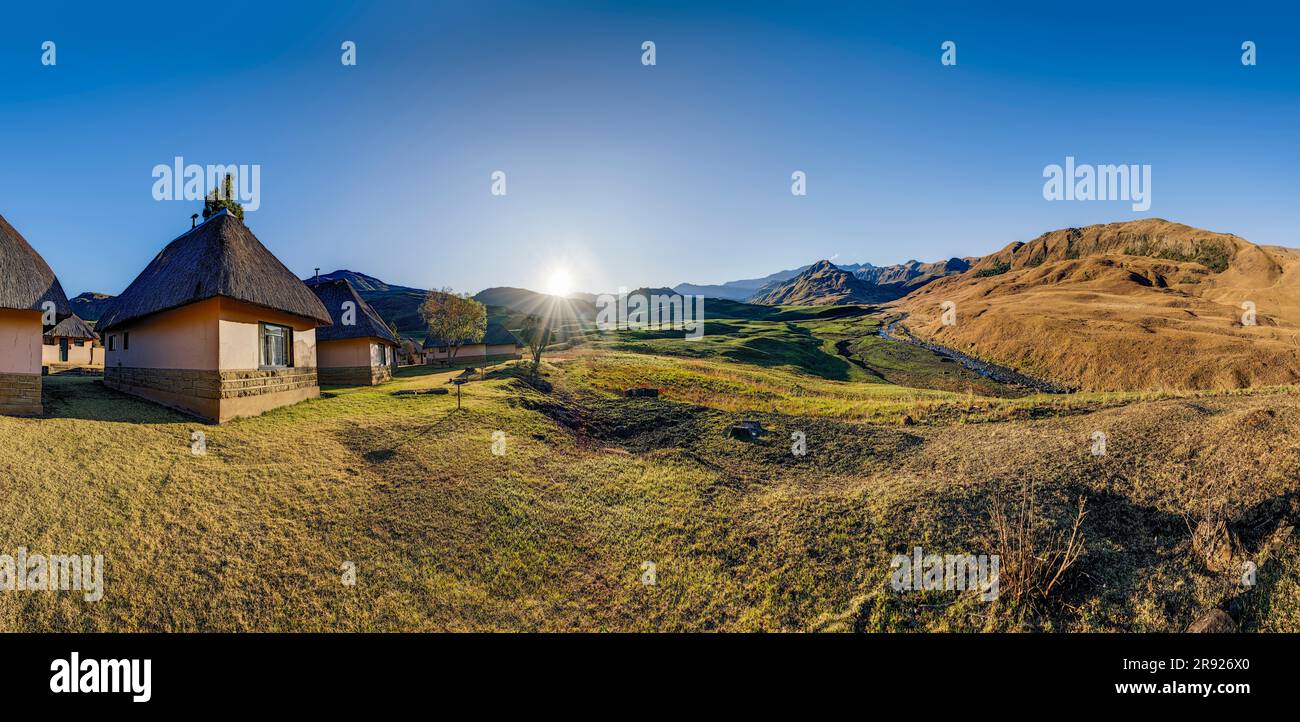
836 343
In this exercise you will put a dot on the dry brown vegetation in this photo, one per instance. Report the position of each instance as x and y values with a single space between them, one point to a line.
1146 305
1033 559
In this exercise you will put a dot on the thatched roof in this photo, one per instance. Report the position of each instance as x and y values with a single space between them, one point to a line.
219 257
26 280
366 324
73 327
495 334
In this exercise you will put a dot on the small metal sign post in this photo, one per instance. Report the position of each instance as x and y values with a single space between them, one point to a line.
459 383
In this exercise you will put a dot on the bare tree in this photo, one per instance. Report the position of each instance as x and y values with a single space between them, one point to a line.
537 335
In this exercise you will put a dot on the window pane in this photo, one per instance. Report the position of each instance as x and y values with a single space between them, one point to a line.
275 345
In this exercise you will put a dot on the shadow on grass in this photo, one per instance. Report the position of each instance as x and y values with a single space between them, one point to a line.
419 371
87 398
804 351
719 308
379 456
1258 527
823 313
776 345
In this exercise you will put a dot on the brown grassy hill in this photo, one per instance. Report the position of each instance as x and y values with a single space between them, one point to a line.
823 284
1141 305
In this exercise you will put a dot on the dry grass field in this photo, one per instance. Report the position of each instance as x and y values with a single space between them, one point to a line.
744 535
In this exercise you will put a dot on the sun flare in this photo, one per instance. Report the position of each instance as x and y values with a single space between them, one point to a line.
559 283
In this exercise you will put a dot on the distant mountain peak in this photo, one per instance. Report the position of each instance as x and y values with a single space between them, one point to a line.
738 290
896 280
88 305
359 281
823 284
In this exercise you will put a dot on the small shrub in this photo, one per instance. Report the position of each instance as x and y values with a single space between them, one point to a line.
1214 256
1035 553
996 269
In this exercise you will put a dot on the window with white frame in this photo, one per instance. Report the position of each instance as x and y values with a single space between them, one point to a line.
276 346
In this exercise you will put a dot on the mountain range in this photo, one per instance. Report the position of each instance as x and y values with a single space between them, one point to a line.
822 284
737 290
894 281
913 274
826 284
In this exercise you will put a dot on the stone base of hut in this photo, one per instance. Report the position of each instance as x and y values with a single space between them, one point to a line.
20 394
217 396
355 375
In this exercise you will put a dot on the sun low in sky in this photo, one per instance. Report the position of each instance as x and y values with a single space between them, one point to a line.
558 282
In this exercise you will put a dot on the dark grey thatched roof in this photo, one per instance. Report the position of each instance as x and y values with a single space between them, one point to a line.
26 280
367 324
72 327
494 335
219 257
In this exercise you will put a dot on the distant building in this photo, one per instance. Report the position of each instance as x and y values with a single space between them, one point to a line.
216 326
27 289
410 353
498 344
72 343
359 349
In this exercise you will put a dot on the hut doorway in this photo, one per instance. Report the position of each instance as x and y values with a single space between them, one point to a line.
63 350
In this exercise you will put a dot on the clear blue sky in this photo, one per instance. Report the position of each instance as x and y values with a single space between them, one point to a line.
629 174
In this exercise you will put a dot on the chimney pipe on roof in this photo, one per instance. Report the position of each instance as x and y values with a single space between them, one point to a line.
317 275
194 219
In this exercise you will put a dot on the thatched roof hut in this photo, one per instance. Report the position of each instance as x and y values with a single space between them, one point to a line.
219 257
26 281
367 322
74 328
